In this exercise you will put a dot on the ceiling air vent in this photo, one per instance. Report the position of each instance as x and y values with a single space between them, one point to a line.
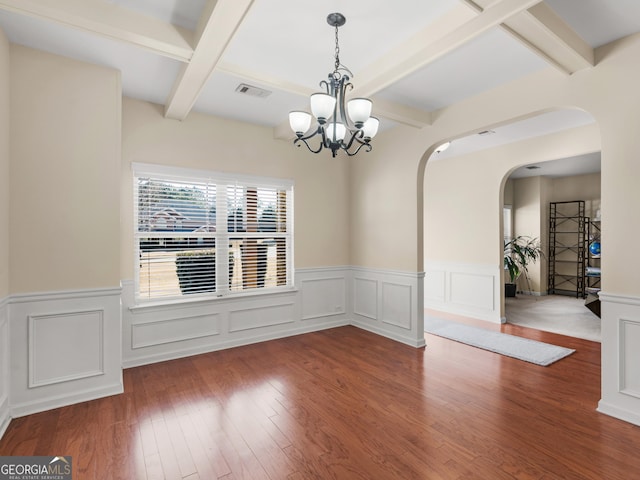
486 132
253 91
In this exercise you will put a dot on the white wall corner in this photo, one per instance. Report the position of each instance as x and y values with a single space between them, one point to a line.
388 303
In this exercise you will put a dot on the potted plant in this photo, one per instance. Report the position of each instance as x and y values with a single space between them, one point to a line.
519 252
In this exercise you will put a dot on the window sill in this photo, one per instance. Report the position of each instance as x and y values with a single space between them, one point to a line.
230 297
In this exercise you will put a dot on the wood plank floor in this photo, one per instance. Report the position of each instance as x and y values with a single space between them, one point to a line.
345 404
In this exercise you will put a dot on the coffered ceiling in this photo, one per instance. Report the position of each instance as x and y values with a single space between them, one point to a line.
410 56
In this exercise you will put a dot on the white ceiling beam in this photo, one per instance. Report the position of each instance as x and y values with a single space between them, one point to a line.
217 26
543 31
112 21
407 59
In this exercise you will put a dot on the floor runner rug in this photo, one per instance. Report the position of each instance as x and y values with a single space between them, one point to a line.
531 351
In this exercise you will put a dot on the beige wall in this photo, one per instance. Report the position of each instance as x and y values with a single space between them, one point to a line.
508 192
467 190
530 201
4 165
608 91
65 173
579 187
321 219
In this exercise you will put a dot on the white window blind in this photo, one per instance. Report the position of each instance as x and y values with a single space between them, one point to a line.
202 233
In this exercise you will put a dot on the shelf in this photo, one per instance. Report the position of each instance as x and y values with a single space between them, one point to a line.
567 247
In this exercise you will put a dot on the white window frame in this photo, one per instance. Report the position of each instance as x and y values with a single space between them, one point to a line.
222 236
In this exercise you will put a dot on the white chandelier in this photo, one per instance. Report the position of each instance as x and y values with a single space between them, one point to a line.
340 128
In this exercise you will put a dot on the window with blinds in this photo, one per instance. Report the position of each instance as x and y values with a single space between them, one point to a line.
208 234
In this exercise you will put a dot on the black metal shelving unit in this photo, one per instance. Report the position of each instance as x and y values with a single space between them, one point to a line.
592 271
568 236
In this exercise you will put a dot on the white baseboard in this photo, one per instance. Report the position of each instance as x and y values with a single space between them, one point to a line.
68 398
619 413
187 352
5 416
407 340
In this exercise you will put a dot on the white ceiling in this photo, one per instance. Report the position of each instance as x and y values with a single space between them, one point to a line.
410 56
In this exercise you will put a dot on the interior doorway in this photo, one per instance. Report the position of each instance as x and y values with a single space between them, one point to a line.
557 296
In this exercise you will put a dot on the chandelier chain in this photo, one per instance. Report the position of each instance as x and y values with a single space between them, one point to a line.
337 63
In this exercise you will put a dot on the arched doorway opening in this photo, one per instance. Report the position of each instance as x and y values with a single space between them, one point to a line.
463 199
557 204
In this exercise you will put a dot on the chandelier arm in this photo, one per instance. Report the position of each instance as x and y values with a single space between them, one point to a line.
357 135
325 84
362 144
304 140
343 86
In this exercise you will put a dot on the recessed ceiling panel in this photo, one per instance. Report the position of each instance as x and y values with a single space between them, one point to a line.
292 40
599 22
145 76
491 60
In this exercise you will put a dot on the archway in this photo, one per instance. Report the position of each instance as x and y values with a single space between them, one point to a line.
461 200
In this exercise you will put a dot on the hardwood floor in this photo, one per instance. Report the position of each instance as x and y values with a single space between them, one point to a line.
345 404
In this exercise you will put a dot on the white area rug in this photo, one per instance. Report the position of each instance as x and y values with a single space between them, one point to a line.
554 313
531 351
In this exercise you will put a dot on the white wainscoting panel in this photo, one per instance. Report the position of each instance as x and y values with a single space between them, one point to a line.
434 286
65 348
158 332
463 289
153 333
365 297
261 316
323 297
80 335
396 304
5 413
620 357
389 303
629 357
